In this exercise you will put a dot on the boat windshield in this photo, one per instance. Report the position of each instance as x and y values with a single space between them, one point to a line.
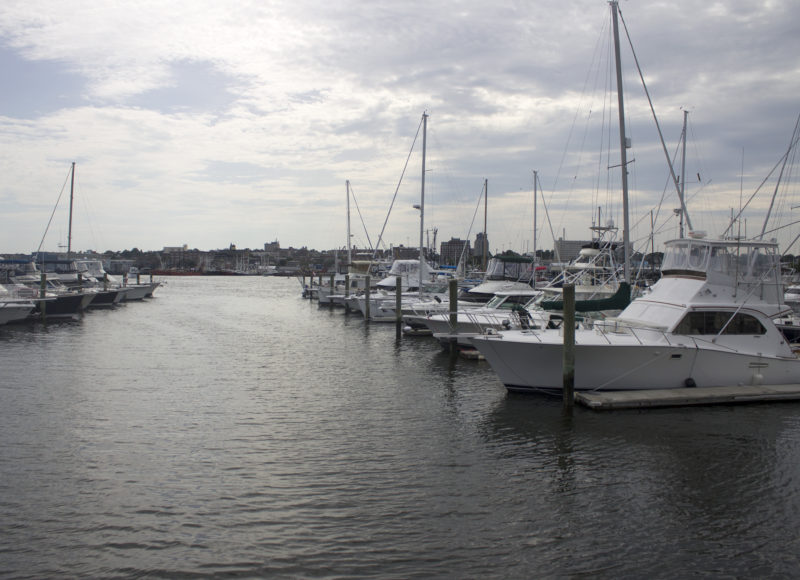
404 267
685 257
509 269
746 262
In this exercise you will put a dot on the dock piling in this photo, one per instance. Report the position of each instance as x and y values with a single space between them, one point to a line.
42 294
366 298
453 290
398 305
568 327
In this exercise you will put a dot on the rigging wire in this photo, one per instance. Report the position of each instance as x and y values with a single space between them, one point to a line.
601 37
655 119
474 214
780 176
50 221
402 174
361 217
781 162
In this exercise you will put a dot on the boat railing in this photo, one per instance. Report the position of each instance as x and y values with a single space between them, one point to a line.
483 321
639 331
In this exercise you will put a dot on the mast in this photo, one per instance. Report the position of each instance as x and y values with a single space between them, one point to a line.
349 250
485 214
535 179
422 203
71 194
623 142
682 190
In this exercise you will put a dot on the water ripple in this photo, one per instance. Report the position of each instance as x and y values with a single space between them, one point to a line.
228 428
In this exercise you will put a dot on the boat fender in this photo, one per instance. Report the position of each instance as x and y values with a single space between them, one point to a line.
690 384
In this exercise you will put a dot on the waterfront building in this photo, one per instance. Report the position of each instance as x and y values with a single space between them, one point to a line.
452 251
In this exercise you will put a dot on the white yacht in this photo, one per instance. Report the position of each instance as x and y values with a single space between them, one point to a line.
128 290
472 318
13 309
412 274
505 272
707 322
791 297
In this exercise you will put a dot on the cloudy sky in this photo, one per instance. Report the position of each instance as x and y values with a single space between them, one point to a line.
212 123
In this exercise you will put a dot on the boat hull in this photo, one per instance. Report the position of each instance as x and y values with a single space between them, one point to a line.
61 306
136 292
14 311
533 366
106 298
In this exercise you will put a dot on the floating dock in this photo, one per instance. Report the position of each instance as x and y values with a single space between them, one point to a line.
610 400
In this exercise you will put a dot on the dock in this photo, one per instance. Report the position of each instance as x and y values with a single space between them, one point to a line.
612 400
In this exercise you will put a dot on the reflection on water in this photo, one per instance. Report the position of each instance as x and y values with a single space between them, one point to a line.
230 427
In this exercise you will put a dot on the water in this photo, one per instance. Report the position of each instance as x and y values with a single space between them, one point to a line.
229 428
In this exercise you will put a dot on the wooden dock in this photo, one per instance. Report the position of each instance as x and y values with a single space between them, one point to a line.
609 400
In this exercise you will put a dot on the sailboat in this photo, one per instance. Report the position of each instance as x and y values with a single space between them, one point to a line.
89 276
707 322
416 276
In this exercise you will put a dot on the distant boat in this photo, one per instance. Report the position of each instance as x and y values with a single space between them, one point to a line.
504 273
96 276
13 309
56 300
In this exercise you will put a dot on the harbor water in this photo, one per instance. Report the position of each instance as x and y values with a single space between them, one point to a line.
229 428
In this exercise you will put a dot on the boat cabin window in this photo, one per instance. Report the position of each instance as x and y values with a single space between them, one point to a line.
709 322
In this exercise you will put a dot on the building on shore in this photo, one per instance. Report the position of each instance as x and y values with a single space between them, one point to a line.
452 251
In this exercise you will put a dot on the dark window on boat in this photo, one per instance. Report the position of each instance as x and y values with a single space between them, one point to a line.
515 301
714 322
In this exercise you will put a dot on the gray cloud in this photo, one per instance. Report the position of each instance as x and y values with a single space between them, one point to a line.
257 113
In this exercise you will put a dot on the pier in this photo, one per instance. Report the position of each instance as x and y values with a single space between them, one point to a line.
612 400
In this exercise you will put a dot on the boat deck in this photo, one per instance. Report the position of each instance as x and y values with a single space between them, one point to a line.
609 400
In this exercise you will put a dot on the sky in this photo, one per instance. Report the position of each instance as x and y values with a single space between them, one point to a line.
235 122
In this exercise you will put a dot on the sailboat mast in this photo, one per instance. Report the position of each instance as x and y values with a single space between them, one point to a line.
349 250
623 142
422 203
535 179
485 216
71 194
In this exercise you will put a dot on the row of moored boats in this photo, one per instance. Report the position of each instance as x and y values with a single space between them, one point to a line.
63 289
716 316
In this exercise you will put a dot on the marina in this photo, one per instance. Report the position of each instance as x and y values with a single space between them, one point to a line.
230 427
518 401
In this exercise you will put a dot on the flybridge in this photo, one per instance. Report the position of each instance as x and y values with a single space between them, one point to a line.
742 265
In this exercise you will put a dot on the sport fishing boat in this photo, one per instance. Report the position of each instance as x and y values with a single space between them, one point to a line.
707 322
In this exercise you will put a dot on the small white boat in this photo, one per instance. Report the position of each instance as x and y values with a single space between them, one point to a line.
791 296
95 276
13 309
474 319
